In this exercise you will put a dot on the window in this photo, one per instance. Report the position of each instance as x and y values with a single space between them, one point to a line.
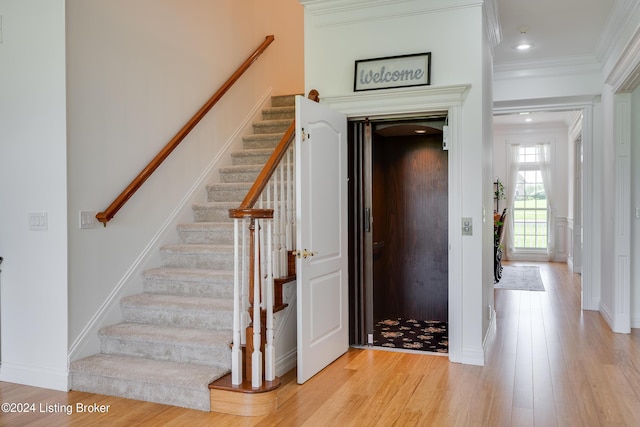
530 218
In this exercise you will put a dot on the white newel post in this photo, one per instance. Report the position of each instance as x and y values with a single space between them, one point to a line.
236 351
256 357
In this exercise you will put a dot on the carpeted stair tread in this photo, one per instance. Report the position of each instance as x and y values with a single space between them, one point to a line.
171 383
197 248
264 140
156 333
177 302
252 152
192 256
190 275
213 211
283 100
241 168
183 345
206 233
284 112
228 191
189 282
240 173
178 311
271 126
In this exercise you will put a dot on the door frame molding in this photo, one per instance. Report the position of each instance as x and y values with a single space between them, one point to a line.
405 104
590 199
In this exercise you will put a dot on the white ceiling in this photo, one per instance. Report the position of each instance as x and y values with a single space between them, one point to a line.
560 30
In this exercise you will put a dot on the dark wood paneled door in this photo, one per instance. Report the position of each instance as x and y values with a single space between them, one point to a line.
410 227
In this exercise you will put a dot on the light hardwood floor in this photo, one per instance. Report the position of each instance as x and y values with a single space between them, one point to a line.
549 364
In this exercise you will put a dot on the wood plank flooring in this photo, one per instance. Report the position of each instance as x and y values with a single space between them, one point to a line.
549 365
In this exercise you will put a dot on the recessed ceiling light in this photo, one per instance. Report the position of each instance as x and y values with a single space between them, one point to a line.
524 43
420 131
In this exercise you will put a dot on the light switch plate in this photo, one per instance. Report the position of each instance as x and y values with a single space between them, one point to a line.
467 227
38 221
87 219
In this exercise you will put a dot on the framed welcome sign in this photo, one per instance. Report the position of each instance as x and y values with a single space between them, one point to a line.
393 71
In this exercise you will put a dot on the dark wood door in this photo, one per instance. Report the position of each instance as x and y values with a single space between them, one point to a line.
410 228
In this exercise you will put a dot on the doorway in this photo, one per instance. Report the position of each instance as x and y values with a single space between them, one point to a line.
399 222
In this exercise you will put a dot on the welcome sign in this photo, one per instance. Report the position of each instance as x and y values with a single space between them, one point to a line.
393 71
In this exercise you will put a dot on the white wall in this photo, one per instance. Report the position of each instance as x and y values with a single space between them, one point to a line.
635 204
335 38
606 152
33 176
137 71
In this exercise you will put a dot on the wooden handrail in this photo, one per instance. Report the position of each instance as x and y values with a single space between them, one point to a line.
115 206
265 175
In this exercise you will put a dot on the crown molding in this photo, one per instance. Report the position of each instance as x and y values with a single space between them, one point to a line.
545 104
577 65
492 22
340 12
625 75
621 15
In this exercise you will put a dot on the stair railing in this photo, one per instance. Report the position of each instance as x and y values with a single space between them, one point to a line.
130 190
268 213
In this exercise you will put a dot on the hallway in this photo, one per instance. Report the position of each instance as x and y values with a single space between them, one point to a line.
549 365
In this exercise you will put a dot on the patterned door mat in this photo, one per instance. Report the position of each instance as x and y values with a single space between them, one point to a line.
411 334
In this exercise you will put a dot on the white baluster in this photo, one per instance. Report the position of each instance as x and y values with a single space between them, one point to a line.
276 228
282 220
269 362
291 203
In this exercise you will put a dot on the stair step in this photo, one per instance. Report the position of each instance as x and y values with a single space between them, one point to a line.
208 233
169 383
189 282
200 346
276 113
271 126
178 311
228 191
209 257
213 211
258 156
264 140
283 100
240 173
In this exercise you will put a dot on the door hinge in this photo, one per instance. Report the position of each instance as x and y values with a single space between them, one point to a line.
305 135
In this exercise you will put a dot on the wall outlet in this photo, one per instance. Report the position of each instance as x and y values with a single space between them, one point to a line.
370 339
490 312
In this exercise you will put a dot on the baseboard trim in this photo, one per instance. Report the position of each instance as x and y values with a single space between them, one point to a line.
34 376
491 333
287 362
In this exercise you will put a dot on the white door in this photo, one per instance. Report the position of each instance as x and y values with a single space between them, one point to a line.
322 228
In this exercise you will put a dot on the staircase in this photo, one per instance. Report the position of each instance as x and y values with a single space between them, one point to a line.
174 338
